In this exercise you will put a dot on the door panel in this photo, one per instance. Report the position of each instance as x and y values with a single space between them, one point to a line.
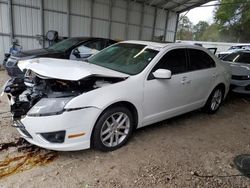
202 71
200 83
165 98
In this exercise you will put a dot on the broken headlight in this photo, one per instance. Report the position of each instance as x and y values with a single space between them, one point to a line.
48 107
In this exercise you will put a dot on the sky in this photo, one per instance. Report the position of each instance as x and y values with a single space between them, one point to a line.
201 13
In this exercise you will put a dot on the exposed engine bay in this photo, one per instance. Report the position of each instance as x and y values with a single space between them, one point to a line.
25 92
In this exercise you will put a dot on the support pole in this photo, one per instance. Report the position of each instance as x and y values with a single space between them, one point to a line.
91 17
110 17
166 25
11 27
176 26
155 16
42 22
127 20
141 21
68 18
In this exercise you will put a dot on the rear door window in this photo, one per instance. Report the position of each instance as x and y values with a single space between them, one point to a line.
109 42
97 45
199 60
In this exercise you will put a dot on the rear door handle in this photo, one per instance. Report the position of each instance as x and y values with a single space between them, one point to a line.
185 81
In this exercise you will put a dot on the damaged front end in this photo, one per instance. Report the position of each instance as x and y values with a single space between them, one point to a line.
36 95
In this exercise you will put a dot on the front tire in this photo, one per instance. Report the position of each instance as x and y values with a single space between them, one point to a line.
113 129
214 101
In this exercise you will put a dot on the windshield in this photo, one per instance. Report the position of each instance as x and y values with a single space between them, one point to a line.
65 44
124 57
238 58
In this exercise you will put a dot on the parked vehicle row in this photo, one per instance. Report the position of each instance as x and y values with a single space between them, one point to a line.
51 37
234 48
239 62
71 105
75 48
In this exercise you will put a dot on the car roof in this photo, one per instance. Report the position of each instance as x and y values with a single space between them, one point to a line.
147 43
161 45
241 45
89 38
241 51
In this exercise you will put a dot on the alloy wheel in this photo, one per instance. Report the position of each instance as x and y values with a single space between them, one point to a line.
216 100
115 129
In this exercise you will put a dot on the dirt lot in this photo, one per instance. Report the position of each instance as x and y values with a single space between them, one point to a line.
167 154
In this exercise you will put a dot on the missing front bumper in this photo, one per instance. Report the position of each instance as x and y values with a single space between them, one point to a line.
18 124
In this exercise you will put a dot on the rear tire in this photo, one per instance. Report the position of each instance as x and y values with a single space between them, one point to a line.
113 129
214 101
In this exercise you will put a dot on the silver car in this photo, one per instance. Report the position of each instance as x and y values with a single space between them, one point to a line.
240 66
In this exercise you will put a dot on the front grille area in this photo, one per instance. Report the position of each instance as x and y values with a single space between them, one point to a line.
240 77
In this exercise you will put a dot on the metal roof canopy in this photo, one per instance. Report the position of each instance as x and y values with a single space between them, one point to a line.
178 6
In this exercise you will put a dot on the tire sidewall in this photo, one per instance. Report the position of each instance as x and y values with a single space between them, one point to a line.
208 107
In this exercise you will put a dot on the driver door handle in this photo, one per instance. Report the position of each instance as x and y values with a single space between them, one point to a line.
185 81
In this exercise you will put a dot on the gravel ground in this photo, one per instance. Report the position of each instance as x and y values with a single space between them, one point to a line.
167 154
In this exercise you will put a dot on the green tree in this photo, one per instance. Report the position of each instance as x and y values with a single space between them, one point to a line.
233 19
211 33
184 31
199 29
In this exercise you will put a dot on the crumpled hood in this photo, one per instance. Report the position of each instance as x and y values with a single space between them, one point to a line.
51 68
239 68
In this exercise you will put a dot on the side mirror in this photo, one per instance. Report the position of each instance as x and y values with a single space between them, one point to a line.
76 53
162 74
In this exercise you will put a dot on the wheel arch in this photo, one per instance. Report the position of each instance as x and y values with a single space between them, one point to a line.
219 85
131 107
222 86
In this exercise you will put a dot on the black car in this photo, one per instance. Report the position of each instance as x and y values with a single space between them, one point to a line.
75 48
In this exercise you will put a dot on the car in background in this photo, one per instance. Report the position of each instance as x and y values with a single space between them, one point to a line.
72 106
75 48
234 48
240 67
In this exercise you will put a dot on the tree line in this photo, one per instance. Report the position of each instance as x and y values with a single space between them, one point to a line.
231 23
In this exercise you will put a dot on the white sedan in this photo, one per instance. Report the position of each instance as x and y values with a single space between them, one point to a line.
69 105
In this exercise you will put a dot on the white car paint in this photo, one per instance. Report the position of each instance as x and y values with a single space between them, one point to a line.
239 69
65 69
154 100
